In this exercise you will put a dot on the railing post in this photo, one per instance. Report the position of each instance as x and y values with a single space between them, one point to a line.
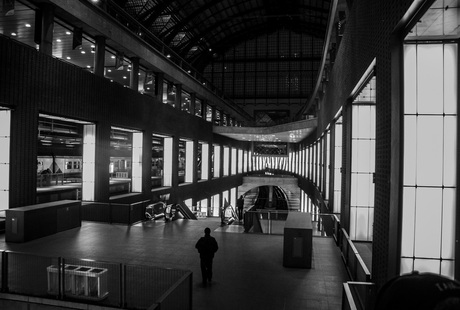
122 286
61 284
191 291
5 272
269 223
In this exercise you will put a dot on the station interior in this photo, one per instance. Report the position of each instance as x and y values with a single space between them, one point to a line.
129 126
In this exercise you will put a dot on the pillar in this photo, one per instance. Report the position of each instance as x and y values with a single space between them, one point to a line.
47 27
99 57
134 74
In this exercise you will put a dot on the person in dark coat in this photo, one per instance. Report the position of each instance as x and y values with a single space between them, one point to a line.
240 205
206 246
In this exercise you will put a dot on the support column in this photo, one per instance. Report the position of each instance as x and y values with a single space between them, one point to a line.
99 57
47 26
159 86
178 99
192 103
134 74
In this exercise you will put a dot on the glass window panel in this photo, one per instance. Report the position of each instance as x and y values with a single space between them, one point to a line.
364 122
450 151
363 155
448 268
450 78
5 152
362 217
427 265
407 265
370 232
5 123
410 149
353 222
337 179
429 150
430 78
4 180
428 222
410 78
361 183
448 223
408 223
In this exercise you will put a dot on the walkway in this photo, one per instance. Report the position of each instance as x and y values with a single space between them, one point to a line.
248 271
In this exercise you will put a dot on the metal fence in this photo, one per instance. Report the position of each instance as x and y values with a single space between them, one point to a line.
94 282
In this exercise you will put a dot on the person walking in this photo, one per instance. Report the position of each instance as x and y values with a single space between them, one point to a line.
240 205
206 246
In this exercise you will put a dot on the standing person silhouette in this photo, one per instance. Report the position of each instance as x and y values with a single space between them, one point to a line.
240 205
206 246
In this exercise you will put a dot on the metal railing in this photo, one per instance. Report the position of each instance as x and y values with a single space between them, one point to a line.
119 213
358 296
93 282
265 221
356 267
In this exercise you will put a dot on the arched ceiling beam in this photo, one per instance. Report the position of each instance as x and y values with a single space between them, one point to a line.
202 59
182 26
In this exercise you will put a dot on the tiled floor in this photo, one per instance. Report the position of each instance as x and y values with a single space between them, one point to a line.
248 268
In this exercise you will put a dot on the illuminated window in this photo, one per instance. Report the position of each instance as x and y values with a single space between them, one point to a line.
245 162
89 162
204 159
216 161
5 133
362 165
234 161
240 161
338 165
430 158
168 161
327 164
226 161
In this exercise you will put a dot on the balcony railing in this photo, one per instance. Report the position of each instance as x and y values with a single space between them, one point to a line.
59 280
358 296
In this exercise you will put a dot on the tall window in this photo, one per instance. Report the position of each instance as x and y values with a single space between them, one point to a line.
430 157
338 165
5 130
363 164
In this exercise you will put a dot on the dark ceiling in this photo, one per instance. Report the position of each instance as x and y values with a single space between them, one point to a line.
198 30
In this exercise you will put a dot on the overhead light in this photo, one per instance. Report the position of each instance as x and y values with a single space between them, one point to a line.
68 57
83 52
58 40
14 34
113 56
28 25
68 33
88 66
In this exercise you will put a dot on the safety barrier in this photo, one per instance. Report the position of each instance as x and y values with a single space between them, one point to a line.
264 221
357 269
92 282
119 213
358 296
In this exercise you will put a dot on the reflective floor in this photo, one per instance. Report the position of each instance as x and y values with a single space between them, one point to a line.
248 268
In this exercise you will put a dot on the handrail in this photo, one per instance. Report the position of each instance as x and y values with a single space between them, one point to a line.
347 298
353 269
358 295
